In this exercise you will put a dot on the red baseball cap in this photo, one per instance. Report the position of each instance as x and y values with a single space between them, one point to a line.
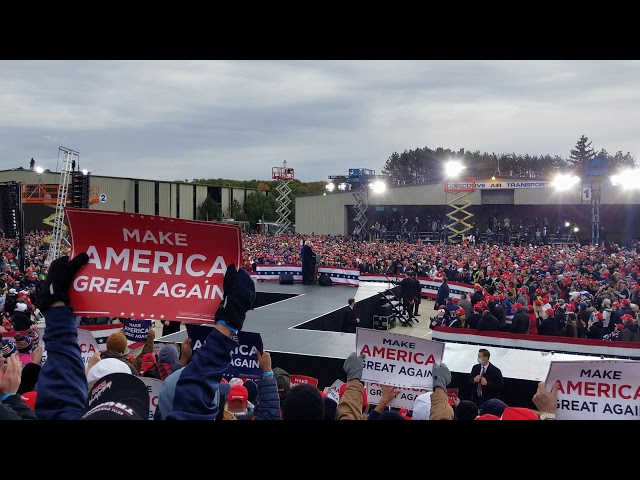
238 395
518 413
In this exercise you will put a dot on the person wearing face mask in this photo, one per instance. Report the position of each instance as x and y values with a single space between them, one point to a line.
485 379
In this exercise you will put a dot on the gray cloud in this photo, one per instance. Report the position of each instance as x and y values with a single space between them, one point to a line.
237 119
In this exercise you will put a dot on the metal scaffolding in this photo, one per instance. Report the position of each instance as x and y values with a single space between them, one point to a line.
284 175
459 204
69 157
360 221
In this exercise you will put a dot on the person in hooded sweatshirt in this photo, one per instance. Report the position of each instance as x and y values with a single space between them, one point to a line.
630 332
596 330
488 322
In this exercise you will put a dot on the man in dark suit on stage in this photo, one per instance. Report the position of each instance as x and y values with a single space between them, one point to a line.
308 264
485 379
349 319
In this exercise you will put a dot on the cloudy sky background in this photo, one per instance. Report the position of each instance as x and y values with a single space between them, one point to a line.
176 120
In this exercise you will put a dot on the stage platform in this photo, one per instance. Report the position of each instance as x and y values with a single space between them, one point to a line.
301 324
299 327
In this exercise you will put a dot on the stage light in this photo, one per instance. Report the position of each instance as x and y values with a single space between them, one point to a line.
566 224
565 181
627 179
453 168
85 171
342 186
378 187
39 170
331 186
576 229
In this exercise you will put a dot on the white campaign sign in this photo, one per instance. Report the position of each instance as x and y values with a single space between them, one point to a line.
88 345
596 390
153 387
406 398
334 390
397 360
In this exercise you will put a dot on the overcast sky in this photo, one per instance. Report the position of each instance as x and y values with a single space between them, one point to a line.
172 120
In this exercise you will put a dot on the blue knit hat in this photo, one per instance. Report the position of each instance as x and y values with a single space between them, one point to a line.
168 354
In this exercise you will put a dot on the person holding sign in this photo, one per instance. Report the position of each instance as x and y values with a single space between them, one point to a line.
486 379
63 390
194 397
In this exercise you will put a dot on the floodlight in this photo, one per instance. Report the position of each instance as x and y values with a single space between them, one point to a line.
39 170
331 186
85 171
566 224
627 179
576 229
379 187
565 181
453 168
342 186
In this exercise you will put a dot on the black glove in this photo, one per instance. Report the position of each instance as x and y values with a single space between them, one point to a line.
239 295
59 278
353 366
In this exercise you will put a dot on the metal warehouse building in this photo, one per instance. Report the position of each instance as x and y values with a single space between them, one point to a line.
151 197
516 198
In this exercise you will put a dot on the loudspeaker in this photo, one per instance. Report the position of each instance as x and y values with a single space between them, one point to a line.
286 279
325 280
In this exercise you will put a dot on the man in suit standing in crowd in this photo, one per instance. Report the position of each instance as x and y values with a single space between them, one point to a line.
443 294
485 379
349 319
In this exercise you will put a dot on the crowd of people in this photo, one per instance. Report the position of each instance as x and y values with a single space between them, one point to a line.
574 289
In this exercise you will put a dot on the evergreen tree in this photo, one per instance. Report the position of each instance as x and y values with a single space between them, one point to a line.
582 153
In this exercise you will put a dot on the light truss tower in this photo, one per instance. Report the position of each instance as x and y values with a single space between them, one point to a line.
595 169
459 203
359 180
284 175
68 157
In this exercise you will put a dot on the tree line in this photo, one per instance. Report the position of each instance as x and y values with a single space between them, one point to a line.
427 165
421 165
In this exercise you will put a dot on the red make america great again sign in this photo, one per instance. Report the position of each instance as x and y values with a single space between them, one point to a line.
150 267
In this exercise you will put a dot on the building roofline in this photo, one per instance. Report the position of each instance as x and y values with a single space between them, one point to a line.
132 178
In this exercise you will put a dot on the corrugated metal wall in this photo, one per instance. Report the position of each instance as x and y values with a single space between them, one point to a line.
146 197
119 193
328 214
165 199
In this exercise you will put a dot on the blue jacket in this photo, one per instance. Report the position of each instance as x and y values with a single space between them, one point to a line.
62 383
268 407
194 397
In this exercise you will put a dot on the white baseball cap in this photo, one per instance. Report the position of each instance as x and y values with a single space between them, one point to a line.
422 407
105 367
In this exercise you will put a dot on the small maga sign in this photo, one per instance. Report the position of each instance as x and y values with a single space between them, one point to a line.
333 391
136 330
596 390
397 360
88 345
150 267
244 361
153 387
